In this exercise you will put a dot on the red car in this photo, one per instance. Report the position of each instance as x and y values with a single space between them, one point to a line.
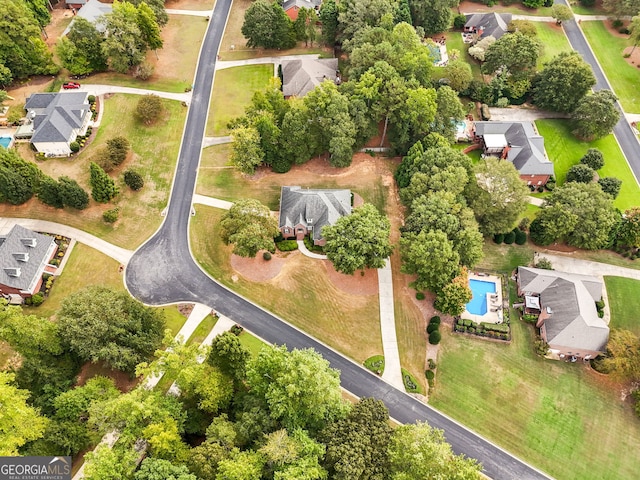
70 85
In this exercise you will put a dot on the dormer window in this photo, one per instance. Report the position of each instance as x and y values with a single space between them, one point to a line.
29 242
12 272
21 257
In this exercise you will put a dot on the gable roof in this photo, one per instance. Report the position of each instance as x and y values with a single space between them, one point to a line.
492 24
301 76
570 301
92 10
313 207
55 116
526 146
301 3
22 259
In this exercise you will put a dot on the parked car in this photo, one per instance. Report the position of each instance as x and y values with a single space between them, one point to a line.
70 85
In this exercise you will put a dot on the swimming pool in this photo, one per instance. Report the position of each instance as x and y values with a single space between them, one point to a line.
461 127
478 303
5 142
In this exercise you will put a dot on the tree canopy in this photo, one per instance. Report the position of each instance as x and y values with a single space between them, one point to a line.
514 53
266 25
595 115
249 226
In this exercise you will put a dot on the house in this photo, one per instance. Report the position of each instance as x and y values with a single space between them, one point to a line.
55 120
518 143
301 76
306 211
24 255
567 315
481 25
92 11
292 7
75 3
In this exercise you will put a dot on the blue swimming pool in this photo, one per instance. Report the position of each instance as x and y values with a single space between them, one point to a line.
5 142
461 127
478 303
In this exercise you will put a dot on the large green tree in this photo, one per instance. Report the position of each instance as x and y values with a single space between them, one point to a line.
434 16
266 25
629 232
455 295
595 115
623 355
249 226
87 40
103 187
359 240
292 456
18 178
71 194
457 74
513 53
229 355
124 45
563 82
100 324
329 19
246 153
621 8
159 469
357 15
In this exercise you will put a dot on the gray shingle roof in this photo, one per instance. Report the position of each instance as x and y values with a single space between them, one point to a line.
493 24
56 115
315 208
30 266
526 150
299 77
301 3
574 321
92 10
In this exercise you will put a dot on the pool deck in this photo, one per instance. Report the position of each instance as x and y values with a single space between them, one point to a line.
494 301
8 132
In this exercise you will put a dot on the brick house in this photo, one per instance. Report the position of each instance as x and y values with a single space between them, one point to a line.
24 255
292 7
518 143
567 315
306 211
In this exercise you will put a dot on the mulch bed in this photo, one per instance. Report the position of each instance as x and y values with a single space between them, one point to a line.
258 269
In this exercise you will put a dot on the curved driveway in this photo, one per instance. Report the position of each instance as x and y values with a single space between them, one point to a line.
162 271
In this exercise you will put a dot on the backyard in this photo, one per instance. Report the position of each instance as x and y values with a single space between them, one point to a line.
565 150
155 151
624 302
553 40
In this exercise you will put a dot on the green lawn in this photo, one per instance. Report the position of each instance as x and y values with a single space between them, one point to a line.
555 415
624 78
454 41
553 39
232 92
252 343
202 330
505 258
564 150
624 302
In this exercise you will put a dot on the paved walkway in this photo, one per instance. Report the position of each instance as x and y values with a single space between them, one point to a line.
222 64
212 202
195 13
210 141
520 114
95 89
307 253
109 439
120 254
392 370
536 201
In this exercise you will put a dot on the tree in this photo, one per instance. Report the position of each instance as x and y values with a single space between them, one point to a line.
49 192
457 74
133 180
158 469
266 25
593 158
149 109
419 451
246 153
623 355
149 28
100 324
595 115
292 456
40 11
124 44
71 58
27 334
629 232
498 196
403 13
87 41
523 26
432 15
580 173
610 185
158 9
245 465
229 355
103 188
249 226
104 462
455 295
359 240
299 388
19 422
357 444
329 21
634 32
72 194
479 50
449 110
514 53
356 15
561 13
563 82
117 149
622 8
73 405
18 178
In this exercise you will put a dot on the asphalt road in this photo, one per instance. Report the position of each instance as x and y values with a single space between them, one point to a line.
162 271
622 131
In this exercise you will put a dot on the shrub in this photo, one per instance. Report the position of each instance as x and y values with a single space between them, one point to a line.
432 327
580 173
266 256
544 263
521 237
420 296
149 109
429 374
600 305
524 224
91 99
37 299
432 364
459 21
133 180
593 158
111 216
550 186
144 71
54 262
610 185
236 329
287 245
617 23
509 238
434 320
117 149
103 188
435 337
75 147
498 238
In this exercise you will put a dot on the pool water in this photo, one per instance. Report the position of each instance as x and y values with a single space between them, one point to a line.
461 127
5 141
478 303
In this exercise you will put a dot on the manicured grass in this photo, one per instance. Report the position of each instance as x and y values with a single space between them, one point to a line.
202 330
553 39
375 364
505 258
174 320
252 343
175 65
232 92
624 78
155 152
548 413
301 294
624 302
409 382
454 41
564 150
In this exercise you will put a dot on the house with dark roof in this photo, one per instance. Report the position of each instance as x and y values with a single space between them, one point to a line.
481 25
24 255
75 3
92 11
301 76
55 120
306 211
567 315
518 143
292 7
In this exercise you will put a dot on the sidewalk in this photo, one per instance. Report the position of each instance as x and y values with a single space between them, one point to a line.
195 13
212 202
102 89
210 141
392 370
222 64
305 251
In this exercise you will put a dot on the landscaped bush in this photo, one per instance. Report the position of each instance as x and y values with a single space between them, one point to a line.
236 329
435 337
617 23
600 305
429 374
54 261
133 180
375 364
266 256
544 263
435 319
37 299
287 245
91 99
550 186
529 317
459 21
498 238
494 327
75 147
432 364
420 296
111 216
432 327
410 383
509 238
521 237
